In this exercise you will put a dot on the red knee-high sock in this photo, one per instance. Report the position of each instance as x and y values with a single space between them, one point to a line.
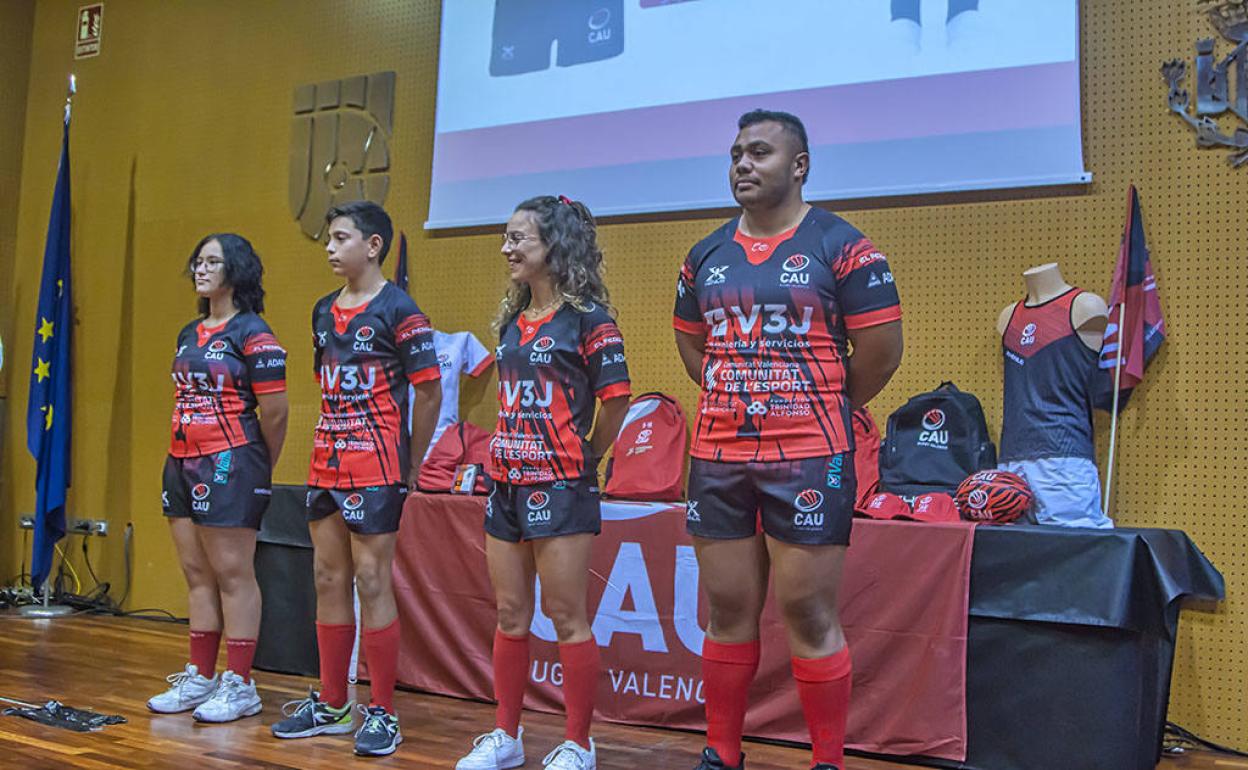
204 647
581 666
238 656
335 641
727 670
511 673
381 645
823 685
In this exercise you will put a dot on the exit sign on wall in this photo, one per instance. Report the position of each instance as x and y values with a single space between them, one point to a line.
87 35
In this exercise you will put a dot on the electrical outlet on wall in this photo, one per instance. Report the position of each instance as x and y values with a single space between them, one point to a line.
88 526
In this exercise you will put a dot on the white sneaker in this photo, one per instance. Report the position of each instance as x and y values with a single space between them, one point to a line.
187 690
569 756
234 699
494 751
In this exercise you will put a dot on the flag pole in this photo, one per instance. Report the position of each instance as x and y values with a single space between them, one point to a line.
1113 425
47 609
69 95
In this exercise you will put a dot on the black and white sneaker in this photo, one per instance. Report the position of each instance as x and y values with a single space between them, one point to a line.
313 716
379 735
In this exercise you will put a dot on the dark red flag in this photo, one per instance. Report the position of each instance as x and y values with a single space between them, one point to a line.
400 265
1142 329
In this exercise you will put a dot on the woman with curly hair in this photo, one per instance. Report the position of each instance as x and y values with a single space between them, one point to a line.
217 477
559 352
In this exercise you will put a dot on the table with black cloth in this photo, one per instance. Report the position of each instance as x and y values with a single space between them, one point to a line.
287 641
1071 635
1072 638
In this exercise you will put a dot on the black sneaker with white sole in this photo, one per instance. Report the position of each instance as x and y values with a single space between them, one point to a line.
379 735
313 716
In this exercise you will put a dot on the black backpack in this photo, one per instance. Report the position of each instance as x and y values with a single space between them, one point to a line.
934 441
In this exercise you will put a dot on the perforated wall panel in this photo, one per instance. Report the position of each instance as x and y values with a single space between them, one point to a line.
183 124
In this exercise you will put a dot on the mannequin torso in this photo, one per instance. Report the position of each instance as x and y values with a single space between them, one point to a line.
1088 314
1050 344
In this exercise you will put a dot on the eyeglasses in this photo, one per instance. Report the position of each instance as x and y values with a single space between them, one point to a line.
515 238
211 265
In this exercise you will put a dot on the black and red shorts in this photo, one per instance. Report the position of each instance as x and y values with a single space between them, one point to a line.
804 502
365 511
230 488
515 513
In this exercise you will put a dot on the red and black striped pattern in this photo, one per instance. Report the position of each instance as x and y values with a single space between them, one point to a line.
993 497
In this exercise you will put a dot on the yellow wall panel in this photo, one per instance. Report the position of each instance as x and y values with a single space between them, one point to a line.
16 24
182 127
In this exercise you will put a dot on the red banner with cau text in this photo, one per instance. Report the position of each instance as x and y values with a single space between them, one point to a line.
903 604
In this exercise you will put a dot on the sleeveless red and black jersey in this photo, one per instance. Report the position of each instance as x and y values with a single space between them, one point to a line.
1048 377
364 357
217 372
549 373
774 313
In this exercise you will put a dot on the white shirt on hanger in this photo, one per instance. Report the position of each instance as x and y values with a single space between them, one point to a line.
459 354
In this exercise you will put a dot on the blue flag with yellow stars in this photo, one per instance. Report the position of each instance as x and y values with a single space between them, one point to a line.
49 409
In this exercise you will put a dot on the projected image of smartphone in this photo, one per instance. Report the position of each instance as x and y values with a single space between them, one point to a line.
582 30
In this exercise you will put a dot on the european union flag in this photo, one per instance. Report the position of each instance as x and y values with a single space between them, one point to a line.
49 408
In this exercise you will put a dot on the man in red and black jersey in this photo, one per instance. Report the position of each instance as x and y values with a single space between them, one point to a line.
229 422
559 354
370 342
768 308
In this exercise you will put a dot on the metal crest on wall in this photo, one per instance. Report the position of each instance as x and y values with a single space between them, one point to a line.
339 146
1230 19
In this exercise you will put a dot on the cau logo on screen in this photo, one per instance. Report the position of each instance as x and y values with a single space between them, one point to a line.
582 32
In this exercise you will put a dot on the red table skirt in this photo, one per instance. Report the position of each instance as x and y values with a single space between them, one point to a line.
903 604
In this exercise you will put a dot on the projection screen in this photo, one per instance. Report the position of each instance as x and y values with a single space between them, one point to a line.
631 105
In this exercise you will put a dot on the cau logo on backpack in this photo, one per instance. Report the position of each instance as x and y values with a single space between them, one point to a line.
648 457
935 441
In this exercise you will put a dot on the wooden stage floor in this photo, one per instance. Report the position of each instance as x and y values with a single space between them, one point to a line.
112 665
